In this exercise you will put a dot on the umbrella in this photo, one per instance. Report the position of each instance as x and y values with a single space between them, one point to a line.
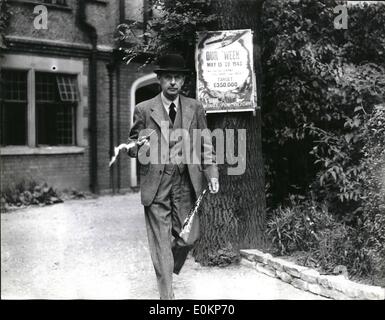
187 224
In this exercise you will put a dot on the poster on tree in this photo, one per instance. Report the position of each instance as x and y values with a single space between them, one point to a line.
225 72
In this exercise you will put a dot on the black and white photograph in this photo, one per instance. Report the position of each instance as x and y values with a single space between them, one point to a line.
201 150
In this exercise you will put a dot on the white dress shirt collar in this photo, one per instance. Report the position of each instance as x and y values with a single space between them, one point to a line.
167 102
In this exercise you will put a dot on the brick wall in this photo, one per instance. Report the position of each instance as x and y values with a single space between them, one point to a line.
128 74
65 171
103 126
127 77
122 83
61 23
105 18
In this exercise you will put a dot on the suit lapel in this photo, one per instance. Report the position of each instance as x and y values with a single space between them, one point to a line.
187 112
158 112
159 115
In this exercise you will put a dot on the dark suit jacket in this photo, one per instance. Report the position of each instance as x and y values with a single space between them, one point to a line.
149 115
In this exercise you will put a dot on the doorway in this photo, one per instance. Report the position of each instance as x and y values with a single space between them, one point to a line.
143 88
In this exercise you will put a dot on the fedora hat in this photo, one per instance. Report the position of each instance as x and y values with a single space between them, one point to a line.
171 63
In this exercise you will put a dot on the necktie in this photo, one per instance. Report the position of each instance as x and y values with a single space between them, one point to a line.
172 112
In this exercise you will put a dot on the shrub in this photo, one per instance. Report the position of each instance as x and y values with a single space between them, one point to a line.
297 227
328 241
28 192
324 132
371 212
323 242
320 87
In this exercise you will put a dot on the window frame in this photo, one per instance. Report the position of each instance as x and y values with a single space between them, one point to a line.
33 64
62 91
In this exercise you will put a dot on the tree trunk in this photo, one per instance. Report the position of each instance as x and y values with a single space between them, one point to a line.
234 218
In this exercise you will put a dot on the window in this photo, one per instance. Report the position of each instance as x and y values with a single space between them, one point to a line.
56 97
53 119
13 107
67 88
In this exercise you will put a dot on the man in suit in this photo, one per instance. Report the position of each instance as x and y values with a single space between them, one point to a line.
171 180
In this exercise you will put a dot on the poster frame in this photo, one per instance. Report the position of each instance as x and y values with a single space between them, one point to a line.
254 101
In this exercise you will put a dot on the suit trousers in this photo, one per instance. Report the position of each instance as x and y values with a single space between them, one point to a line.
164 219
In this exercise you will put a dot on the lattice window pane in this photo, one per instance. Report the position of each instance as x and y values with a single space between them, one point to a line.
68 88
65 125
14 85
13 107
55 124
13 129
45 87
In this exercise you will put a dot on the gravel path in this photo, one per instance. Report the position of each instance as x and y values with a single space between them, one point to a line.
97 249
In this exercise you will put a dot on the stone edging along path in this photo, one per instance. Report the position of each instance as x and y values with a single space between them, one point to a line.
335 287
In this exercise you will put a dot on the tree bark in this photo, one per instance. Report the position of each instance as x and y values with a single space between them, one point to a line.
234 218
